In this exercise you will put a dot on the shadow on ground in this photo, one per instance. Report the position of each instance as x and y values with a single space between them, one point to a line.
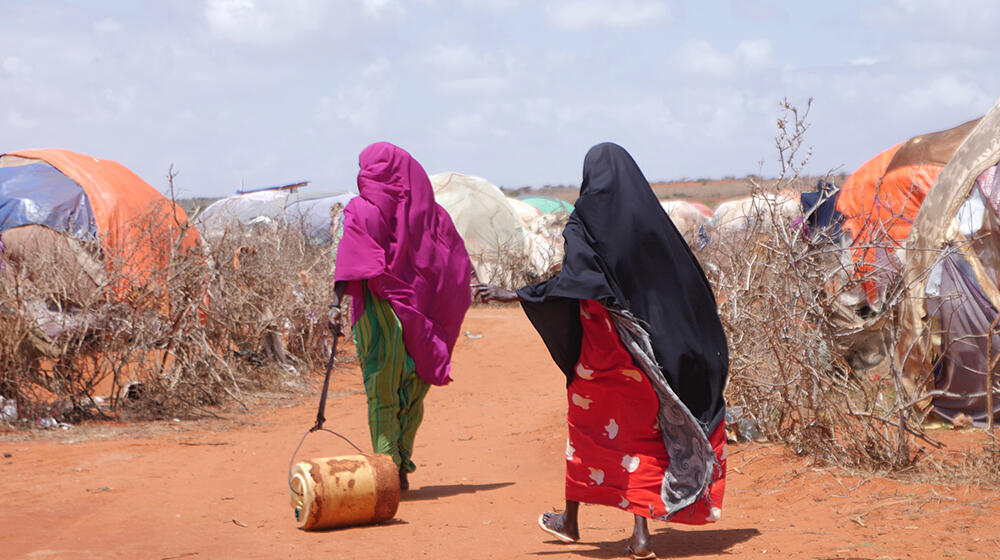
444 490
666 543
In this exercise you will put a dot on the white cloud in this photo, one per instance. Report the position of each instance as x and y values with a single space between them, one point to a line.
236 18
865 61
107 26
357 106
466 125
17 120
452 58
493 5
943 93
377 68
944 55
379 8
485 85
265 22
584 14
700 57
970 21
755 53
474 84
13 65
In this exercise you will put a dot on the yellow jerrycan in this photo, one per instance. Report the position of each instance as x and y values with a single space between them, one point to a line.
346 490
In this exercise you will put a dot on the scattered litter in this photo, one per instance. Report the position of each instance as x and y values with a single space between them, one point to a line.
961 421
134 391
96 490
8 410
240 523
8 455
470 335
743 428
185 555
50 423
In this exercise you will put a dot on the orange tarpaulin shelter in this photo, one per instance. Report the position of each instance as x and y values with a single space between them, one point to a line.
881 199
137 226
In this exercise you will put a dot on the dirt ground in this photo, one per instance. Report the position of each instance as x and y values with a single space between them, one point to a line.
490 460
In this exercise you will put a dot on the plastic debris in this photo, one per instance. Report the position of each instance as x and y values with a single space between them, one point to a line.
744 428
8 410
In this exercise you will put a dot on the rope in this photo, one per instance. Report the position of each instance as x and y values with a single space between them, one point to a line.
291 462
334 325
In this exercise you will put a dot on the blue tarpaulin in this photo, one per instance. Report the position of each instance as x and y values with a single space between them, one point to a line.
39 194
820 208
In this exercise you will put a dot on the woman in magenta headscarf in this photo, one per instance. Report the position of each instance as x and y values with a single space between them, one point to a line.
407 270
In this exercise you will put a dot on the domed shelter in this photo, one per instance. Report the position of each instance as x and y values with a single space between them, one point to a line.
76 228
949 342
525 211
687 218
548 205
96 202
880 200
492 231
313 211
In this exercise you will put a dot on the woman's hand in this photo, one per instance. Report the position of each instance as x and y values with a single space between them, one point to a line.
489 292
333 320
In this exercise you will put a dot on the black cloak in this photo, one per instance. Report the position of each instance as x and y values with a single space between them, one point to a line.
622 250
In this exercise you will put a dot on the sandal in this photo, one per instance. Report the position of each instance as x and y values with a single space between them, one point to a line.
631 554
564 537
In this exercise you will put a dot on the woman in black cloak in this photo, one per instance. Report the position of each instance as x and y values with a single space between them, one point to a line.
632 322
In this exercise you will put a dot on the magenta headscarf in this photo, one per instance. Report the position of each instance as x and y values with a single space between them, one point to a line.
406 246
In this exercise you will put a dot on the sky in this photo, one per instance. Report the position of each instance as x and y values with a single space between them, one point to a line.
244 94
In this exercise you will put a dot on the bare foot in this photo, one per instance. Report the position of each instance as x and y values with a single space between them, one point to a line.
560 526
638 549
639 552
404 484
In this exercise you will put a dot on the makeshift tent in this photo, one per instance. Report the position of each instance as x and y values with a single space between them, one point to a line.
525 211
93 200
68 223
492 231
310 210
702 208
687 218
543 241
949 342
548 205
880 200
743 214
819 209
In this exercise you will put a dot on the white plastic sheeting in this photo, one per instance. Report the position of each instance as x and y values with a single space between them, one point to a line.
687 218
310 210
543 241
525 211
492 231
744 213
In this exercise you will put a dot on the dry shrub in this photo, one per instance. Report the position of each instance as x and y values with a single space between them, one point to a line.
511 265
186 331
795 321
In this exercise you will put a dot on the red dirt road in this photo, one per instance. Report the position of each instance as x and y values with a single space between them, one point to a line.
490 460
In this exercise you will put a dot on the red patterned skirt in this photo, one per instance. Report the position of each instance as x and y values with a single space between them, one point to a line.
615 455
